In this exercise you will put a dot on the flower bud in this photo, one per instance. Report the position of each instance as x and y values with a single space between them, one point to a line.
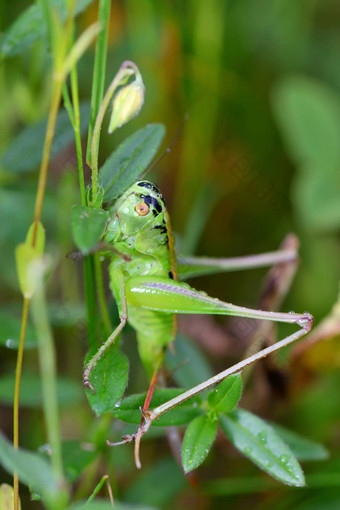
127 104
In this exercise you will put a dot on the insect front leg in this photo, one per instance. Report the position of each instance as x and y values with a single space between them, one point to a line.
118 287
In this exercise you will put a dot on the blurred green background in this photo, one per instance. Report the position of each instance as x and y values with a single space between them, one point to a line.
250 95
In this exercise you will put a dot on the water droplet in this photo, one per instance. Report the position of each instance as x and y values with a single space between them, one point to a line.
262 436
247 450
284 459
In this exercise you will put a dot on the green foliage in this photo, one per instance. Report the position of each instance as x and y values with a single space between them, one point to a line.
259 442
28 143
33 470
227 182
129 408
198 439
309 116
88 226
227 394
30 26
128 162
304 449
109 379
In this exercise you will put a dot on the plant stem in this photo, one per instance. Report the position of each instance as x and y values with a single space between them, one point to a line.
127 69
77 136
98 70
48 376
52 117
18 370
101 295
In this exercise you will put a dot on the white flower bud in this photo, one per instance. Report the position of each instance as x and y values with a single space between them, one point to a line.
127 104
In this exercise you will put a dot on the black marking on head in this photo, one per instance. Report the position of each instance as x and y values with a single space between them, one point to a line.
152 201
166 239
149 185
171 275
162 228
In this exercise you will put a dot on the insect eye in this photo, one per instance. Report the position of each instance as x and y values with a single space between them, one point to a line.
142 209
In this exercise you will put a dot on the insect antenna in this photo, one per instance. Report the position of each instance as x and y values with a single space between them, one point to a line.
171 144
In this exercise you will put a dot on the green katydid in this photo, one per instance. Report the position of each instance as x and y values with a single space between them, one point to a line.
143 279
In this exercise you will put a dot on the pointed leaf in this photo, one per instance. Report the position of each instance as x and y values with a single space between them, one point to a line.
109 378
225 397
198 439
130 160
32 469
30 26
260 443
30 142
302 447
129 408
88 226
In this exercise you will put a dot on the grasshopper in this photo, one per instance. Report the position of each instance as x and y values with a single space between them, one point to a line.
144 282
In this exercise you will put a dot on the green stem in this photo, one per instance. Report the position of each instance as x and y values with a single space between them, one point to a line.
52 117
126 70
91 304
47 360
104 479
98 70
18 371
77 135
101 295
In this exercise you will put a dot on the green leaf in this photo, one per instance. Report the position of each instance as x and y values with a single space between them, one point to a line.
109 378
30 26
225 397
129 161
258 441
32 469
304 449
198 439
30 142
10 332
128 409
76 458
69 391
308 114
88 226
